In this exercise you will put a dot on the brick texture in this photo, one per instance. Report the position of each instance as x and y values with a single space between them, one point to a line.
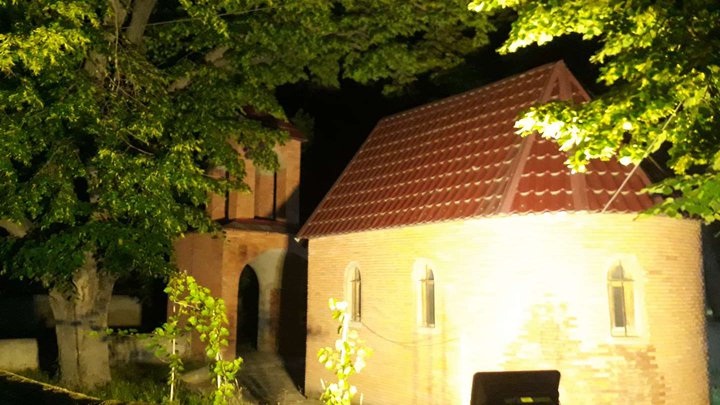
258 200
520 293
217 261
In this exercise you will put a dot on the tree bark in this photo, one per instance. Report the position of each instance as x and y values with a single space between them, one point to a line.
140 17
83 356
17 229
215 57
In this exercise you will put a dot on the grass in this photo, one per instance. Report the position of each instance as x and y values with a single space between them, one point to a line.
146 383
135 383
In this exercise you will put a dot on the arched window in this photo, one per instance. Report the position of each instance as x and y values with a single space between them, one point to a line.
621 295
425 280
353 292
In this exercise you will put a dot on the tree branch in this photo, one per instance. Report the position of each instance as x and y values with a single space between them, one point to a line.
120 13
140 17
215 57
179 84
14 228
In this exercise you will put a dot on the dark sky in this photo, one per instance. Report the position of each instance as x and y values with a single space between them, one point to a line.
345 117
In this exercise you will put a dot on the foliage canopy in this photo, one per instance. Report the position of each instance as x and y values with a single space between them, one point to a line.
112 111
661 60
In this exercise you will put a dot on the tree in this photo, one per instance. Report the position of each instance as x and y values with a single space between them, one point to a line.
345 359
114 111
661 60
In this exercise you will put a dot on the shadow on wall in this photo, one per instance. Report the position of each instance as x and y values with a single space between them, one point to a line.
293 312
291 212
713 341
711 267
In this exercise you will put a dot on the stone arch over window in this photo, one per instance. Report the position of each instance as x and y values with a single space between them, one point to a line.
353 291
622 300
424 279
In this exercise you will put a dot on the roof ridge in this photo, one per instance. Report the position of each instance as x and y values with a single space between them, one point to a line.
517 167
471 91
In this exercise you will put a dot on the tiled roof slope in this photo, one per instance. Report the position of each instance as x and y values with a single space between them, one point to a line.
461 158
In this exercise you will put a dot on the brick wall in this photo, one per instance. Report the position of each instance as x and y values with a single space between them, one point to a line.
217 262
289 182
520 292
259 199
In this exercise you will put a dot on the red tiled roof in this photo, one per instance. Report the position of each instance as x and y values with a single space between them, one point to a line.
460 158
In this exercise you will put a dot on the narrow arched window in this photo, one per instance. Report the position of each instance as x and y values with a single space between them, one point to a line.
621 295
354 294
426 297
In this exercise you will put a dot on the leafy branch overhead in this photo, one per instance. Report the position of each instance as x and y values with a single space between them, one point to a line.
661 60
114 111
114 115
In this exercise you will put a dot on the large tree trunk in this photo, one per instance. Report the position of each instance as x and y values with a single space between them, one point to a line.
84 357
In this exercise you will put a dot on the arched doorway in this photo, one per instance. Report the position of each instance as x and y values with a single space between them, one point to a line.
247 311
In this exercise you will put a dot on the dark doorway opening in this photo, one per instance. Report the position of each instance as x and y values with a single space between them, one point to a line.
247 311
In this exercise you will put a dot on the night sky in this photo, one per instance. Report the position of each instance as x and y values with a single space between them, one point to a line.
345 117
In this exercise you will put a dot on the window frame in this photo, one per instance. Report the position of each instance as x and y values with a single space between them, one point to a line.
353 292
620 280
425 283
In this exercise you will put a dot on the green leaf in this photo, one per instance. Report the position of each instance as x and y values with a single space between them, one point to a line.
661 61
